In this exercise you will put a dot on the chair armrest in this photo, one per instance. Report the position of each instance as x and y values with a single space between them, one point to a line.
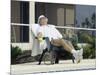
44 38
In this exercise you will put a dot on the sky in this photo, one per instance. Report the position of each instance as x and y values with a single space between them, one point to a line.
83 11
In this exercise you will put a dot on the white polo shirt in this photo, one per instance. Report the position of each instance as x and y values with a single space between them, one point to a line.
49 31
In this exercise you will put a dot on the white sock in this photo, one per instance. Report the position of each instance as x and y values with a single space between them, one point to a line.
73 51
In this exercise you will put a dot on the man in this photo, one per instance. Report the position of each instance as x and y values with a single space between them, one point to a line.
56 38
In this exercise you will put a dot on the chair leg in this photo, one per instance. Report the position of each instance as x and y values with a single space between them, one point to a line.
41 57
52 57
73 59
57 58
57 61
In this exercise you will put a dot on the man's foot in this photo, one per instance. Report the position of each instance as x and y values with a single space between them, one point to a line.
78 55
81 53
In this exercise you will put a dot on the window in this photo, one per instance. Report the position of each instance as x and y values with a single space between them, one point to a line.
19 14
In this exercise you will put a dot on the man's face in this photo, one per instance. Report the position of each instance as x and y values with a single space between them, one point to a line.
43 21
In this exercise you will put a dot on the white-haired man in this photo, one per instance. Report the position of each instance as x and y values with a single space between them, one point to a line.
56 38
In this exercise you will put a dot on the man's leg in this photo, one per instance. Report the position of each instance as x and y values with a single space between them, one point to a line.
68 42
69 48
61 42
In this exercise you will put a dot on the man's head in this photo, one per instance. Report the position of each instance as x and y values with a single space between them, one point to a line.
42 20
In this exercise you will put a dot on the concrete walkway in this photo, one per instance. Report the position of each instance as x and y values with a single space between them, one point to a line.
65 65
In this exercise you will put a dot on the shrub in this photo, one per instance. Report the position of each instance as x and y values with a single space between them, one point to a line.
15 51
74 41
90 50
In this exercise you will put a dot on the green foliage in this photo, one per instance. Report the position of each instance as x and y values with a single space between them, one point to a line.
15 51
90 49
89 22
74 41
87 51
86 37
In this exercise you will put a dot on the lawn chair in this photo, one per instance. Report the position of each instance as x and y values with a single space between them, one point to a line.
49 52
44 50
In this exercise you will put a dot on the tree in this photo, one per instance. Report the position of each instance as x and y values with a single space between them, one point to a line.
88 23
88 37
93 20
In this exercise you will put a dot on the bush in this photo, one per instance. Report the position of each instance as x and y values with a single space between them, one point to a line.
15 51
74 41
90 49
89 52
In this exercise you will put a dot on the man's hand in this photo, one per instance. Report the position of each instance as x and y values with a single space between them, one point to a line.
40 37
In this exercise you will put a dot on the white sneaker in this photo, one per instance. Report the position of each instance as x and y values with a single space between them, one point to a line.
81 53
78 55
77 58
